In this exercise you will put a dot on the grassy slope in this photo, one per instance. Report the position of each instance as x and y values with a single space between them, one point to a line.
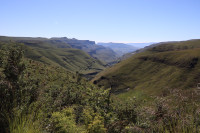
71 59
170 65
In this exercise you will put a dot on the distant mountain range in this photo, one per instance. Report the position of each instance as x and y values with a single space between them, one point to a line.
104 54
119 48
74 55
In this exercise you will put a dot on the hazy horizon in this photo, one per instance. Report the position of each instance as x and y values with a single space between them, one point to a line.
100 41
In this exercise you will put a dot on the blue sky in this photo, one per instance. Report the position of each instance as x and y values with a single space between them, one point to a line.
102 20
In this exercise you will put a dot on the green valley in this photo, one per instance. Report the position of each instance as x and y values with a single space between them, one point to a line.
44 89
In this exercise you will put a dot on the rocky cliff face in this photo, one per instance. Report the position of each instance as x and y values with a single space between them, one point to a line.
74 42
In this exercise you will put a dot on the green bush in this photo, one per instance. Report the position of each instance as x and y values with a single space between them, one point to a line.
93 121
64 122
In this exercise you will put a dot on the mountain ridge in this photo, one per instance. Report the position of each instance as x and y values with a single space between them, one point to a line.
104 54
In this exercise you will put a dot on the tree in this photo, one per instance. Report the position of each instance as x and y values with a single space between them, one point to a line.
15 90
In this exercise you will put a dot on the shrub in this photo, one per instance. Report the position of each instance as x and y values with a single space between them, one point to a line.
64 122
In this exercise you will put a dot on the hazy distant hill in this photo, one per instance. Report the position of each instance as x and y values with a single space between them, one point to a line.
119 48
141 45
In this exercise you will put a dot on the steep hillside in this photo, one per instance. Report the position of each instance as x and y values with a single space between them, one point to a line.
151 45
44 50
167 65
119 48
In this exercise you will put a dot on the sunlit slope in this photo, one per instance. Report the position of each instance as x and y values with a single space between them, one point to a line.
168 65
71 59
46 52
